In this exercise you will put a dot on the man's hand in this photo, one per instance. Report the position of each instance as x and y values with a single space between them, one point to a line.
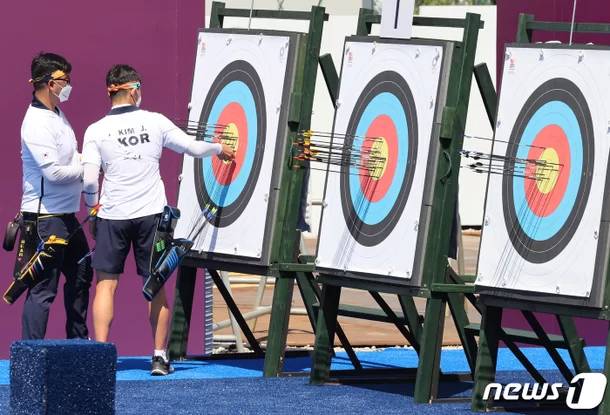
227 153
93 219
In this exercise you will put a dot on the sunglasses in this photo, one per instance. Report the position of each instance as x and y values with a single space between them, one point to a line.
66 79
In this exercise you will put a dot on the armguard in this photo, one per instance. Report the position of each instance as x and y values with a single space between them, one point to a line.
33 271
166 266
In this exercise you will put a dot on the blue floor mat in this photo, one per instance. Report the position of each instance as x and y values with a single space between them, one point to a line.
281 396
236 385
452 361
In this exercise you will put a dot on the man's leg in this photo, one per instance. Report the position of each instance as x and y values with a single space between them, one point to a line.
111 247
78 281
103 304
158 312
36 306
40 297
158 309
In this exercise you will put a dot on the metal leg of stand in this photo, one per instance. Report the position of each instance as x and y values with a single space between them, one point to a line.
428 370
182 310
487 358
325 334
239 344
604 407
260 293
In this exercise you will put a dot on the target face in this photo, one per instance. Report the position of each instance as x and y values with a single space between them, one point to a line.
374 224
236 106
544 208
543 230
240 96
384 121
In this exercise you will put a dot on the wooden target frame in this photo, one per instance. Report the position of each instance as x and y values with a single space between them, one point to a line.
435 280
223 232
280 239
399 233
564 308
568 118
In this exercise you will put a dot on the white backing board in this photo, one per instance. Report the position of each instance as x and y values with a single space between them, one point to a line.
569 267
420 66
268 56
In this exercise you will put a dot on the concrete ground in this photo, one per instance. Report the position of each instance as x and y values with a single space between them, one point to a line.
359 332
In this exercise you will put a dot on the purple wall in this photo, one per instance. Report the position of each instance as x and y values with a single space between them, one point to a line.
157 37
590 11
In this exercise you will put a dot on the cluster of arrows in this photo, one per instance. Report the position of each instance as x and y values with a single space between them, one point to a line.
488 163
530 169
212 133
363 155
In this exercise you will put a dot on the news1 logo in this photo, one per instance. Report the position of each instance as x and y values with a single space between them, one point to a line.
592 390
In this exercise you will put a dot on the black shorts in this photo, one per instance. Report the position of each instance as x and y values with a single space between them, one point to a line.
112 241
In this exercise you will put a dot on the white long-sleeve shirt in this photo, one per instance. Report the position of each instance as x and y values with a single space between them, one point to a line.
127 144
49 152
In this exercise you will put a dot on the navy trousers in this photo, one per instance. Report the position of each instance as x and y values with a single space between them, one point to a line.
76 287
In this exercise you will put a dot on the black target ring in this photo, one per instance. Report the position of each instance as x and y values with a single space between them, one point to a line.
386 87
236 84
538 238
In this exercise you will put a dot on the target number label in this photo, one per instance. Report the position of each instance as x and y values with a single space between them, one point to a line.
397 18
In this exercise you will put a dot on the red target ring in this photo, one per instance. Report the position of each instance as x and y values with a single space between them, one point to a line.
233 123
544 196
381 139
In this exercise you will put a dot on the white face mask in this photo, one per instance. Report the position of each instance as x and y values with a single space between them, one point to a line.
139 101
64 94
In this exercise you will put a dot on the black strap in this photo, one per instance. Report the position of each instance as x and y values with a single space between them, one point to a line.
40 204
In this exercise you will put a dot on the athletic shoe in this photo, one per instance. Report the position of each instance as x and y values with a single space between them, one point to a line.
160 367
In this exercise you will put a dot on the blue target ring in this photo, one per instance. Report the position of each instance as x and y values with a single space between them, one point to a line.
537 231
560 114
236 97
385 103
386 96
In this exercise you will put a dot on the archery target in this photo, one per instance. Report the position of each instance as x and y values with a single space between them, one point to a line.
544 204
240 91
236 104
372 201
387 105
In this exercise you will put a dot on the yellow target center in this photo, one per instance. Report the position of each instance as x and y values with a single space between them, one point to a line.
378 158
548 173
230 137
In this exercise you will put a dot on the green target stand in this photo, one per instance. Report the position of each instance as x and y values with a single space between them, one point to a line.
280 254
437 282
590 296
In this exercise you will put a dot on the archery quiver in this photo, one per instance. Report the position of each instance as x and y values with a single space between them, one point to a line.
10 235
166 266
33 271
167 252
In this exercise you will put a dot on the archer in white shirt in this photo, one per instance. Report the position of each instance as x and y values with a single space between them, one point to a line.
52 185
127 145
